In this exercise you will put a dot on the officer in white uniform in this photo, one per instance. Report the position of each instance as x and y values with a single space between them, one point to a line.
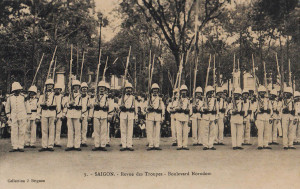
196 116
128 113
85 113
59 101
209 119
99 113
182 118
247 117
74 115
17 111
222 104
236 122
264 112
275 117
288 119
171 110
155 115
47 110
297 117
30 133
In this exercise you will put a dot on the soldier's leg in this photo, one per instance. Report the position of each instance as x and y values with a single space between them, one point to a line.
157 134
51 132
70 143
45 127
185 137
149 130
33 132
194 130
205 132
260 132
123 128
285 126
267 128
58 131
77 130
221 130
233 129
298 132
274 128
291 133
199 139
279 127
14 134
239 134
108 133
247 131
179 133
84 125
21 134
27 133
212 134
129 133
96 132
103 132
173 129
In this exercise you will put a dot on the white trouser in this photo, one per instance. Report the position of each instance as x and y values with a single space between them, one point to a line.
100 132
279 127
153 133
236 134
18 133
298 133
74 133
182 133
30 133
246 131
173 129
84 125
58 131
288 130
219 130
126 126
107 133
47 132
274 129
263 127
196 131
207 133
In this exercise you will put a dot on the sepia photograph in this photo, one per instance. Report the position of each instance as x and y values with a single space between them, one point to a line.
122 94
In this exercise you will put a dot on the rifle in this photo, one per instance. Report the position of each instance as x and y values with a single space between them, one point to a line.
232 90
70 76
206 82
125 75
37 70
150 79
54 69
214 74
97 75
254 75
265 79
82 66
105 68
279 74
50 66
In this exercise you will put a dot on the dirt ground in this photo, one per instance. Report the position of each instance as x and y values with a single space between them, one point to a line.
223 168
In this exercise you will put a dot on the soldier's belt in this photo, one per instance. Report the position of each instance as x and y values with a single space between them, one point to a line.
98 108
183 111
262 111
238 113
123 109
276 111
150 110
222 110
249 111
45 107
287 111
33 110
213 112
75 108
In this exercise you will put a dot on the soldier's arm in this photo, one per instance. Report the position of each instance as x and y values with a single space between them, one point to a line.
8 107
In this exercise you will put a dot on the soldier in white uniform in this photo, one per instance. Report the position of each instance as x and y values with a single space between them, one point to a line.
155 115
47 110
99 113
59 101
17 111
247 117
110 112
264 112
30 133
128 113
171 110
275 117
297 117
236 122
74 115
182 118
196 116
85 113
288 119
222 104
209 119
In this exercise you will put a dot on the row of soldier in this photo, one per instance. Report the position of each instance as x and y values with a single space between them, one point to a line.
207 112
